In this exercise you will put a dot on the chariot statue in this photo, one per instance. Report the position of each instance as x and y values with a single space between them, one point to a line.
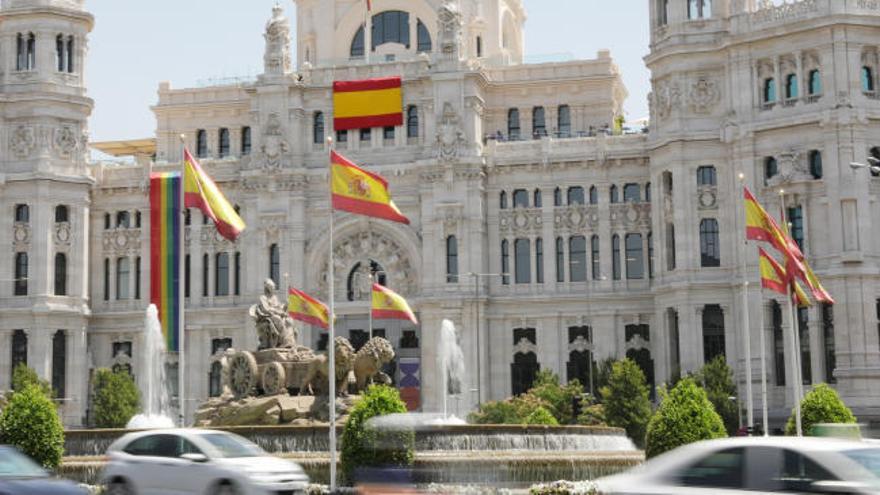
275 328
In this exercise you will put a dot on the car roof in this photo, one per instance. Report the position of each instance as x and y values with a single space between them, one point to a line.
802 443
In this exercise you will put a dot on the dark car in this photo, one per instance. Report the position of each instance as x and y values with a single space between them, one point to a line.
19 475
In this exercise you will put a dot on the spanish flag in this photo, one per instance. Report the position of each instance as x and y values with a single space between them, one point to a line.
389 305
775 278
200 191
358 191
303 307
367 103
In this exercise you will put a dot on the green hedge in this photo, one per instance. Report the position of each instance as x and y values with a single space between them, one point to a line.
30 422
625 400
685 415
820 405
116 398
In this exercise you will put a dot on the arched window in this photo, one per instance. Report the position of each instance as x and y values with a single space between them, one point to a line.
201 143
615 256
19 348
412 121
21 274
575 195
237 275
221 275
424 37
505 262
318 128
791 87
502 200
577 258
224 142
59 363
31 52
520 198
769 92
632 193
538 202
560 260
20 57
816 164
699 9
61 214
451 260
479 46
137 219
513 124
539 124
391 26
594 258
523 372
539 260
650 255
706 176
60 56
635 257
60 274
358 284
614 194
770 168
123 220
648 192
867 79
245 141
206 269
713 332
594 195
70 54
796 220
123 278
710 246
523 261
106 279
815 82
357 44
137 278
663 12
557 197
22 214
563 119
275 264
670 246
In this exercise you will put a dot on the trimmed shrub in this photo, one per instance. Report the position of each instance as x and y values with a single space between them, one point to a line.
31 423
685 415
716 378
593 415
820 405
116 398
541 416
626 400
502 412
559 398
363 445
22 376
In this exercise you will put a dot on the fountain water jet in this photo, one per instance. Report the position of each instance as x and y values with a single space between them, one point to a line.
452 362
154 391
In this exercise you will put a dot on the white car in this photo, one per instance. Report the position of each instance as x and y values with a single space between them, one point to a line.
755 465
203 462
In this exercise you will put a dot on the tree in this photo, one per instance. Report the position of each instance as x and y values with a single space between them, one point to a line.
364 445
626 401
820 405
716 378
31 423
685 415
541 416
116 398
559 398
22 376
602 372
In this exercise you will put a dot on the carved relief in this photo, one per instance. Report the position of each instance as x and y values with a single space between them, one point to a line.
707 198
65 141
62 234
450 137
277 57
449 26
23 141
362 248
122 242
631 216
704 95
580 344
667 96
521 221
274 145
525 346
21 236
576 218
793 167
769 12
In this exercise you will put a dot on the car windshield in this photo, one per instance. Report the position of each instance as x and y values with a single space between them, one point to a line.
230 446
16 465
867 458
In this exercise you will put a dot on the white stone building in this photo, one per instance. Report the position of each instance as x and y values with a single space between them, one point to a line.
503 168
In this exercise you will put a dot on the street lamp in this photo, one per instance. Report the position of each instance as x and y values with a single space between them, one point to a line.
476 277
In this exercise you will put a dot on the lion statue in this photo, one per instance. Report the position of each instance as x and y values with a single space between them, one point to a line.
368 363
316 375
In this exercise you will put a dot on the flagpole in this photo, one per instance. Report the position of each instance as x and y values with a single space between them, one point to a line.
331 347
181 300
747 338
371 305
765 416
368 33
796 360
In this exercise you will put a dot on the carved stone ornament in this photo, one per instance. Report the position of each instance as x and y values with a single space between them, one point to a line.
450 137
637 343
449 26
704 95
277 57
792 168
23 141
580 344
707 198
521 221
525 346
62 234
21 236
576 218
64 141
770 12
631 216
274 146
362 248
667 96
122 242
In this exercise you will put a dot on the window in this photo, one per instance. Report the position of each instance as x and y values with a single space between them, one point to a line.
557 197
778 343
796 221
614 195
388 133
632 193
424 37
594 195
409 340
722 470
713 332
70 54
187 217
123 220
412 121
106 279
366 135
479 46
523 261
770 168
670 247
171 446
19 349
505 262
221 275
538 200
791 87
237 275
59 364
524 369
815 82
635 257
451 260
20 57
699 9
875 153
706 176
650 255
648 192
26 49
563 121
107 221
663 12
615 256
867 79
60 56
201 143
560 261
577 258
318 128
575 195
224 142
137 219
60 274
502 200
357 44
539 260
187 275
391 26
769 92
520 198
21 274
22 214
594 257
206 267
123 277
275 264
828 342
539 124
803 316
513 124
816 164
245 141
710 248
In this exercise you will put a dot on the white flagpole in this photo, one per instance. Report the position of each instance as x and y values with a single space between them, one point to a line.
331 346
764 408
747 338
371 305
181 402
795 340
368 33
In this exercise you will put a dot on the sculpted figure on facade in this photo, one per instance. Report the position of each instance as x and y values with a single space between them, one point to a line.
65 141
274 145
704 95
23 141
450 137
277 56
449 26
275 328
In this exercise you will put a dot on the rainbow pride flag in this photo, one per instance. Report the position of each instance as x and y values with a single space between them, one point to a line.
165 256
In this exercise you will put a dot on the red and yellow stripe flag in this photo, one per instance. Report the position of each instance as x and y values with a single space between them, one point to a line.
367 103
774 277
358 191
305 308
200 191
389 305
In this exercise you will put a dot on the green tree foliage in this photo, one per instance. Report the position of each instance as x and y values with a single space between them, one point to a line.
685 415
601 374
592 415
626 400
363 445
820 405
559 398
716 378
31 423
23 376
116 398
541 416
501 412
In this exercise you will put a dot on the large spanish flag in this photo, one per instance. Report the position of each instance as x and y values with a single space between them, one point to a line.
201 192
760 226
165 212
389 305
367 103
307 309
775 278
356 190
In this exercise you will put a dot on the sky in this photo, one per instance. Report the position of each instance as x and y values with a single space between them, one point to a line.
135 45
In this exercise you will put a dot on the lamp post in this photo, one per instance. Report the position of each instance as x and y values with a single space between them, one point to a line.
476 277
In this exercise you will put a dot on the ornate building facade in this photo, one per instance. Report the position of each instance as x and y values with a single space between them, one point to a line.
546 235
